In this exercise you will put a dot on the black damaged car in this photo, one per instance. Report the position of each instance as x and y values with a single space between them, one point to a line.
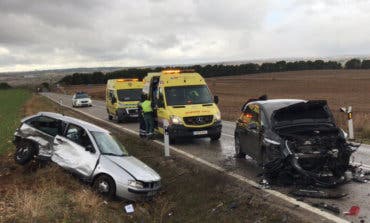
294 138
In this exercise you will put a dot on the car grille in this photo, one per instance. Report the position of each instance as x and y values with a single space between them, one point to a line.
152 184
198 120
84 101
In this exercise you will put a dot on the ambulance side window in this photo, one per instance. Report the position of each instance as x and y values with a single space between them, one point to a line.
160 102
111 96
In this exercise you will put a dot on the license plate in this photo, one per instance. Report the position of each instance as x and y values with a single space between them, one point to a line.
204 132
134 116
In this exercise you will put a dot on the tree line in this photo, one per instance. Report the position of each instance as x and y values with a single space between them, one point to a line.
217 70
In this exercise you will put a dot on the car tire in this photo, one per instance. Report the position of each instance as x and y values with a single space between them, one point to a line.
216 137
110 117
24 152
238 151
172 139
105 186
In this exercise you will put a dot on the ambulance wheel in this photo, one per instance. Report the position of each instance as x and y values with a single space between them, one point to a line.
216 137
172 139
120 116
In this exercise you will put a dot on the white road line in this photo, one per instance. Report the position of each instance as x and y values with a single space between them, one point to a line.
228 123
364 166
225 134
99 106
282 196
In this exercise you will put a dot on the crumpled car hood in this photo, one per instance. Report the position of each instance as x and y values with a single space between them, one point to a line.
139 170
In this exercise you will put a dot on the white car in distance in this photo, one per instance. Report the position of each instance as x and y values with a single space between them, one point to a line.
81 99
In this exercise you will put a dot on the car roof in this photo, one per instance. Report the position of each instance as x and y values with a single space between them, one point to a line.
275 104
279 101
88 126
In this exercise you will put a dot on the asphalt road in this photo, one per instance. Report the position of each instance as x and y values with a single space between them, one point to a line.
221 153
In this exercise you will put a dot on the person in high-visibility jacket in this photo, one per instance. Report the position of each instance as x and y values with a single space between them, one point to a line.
147 109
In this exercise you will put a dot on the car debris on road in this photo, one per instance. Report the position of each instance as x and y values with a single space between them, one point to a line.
314 193
331 208
353 211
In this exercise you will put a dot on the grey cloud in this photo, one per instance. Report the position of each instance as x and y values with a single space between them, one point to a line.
69 33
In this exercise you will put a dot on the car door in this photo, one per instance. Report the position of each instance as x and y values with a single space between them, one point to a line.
251 130
76 151
42 129
110 105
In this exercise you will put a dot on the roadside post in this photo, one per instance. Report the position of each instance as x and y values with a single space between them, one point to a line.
166 139
348 111
61 106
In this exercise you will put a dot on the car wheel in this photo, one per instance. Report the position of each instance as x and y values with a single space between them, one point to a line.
216 137
105 186
238 151
172 139
110 117
24 152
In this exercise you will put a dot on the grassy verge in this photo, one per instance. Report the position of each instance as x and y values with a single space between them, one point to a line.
190 193
11 102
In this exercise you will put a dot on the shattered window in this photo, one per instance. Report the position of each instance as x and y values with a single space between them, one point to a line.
78 135
45 124
251 114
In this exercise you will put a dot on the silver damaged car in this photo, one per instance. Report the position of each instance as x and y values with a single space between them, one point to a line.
87 150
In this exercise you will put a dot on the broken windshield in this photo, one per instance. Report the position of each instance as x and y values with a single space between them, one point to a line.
183 95
108 144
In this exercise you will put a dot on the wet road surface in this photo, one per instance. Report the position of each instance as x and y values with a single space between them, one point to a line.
222 153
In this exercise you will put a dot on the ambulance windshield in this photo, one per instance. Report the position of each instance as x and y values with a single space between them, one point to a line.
129 94
184 95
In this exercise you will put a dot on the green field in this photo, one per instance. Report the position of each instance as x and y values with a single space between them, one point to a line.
11 102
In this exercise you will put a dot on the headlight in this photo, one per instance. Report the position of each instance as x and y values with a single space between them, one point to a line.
175 120
135 184
218 116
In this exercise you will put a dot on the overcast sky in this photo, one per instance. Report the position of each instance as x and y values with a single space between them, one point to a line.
46 34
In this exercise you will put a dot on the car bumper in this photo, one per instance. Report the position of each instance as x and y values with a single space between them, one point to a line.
138 194
180 131
83 104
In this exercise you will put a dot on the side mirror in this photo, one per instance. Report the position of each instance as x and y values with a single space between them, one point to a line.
113 100
252 126
90 149
215 99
